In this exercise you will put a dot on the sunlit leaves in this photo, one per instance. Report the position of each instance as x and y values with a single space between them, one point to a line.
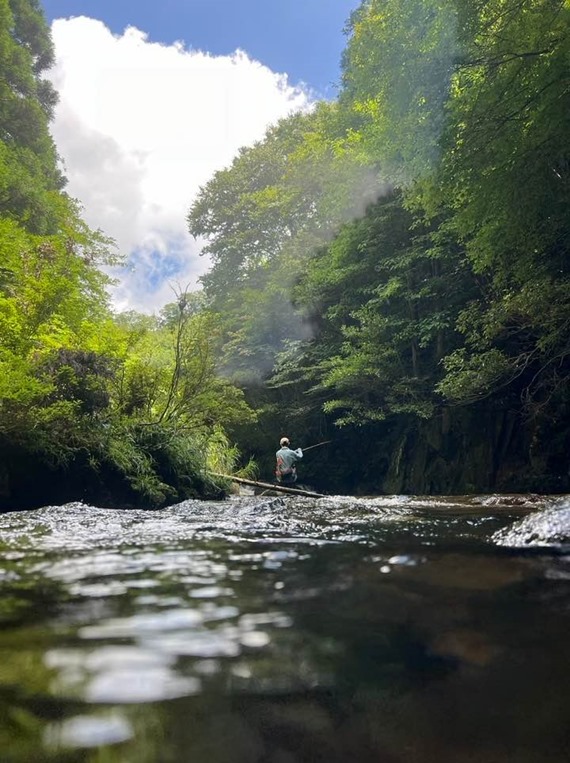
505 176
397 73
28 161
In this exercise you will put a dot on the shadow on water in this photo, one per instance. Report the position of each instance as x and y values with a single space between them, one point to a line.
284 630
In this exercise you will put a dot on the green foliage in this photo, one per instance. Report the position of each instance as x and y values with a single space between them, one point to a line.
29 174
406 248
471 377
80 377
264 217
397 71
505 176
224 458
373 261
51 300
386 291
119 409
169 374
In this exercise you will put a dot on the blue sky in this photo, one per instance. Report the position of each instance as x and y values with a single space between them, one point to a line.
302 38
154 99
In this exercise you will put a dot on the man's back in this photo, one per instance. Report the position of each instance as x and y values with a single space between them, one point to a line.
286 459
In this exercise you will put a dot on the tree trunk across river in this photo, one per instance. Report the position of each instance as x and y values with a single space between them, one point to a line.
288 630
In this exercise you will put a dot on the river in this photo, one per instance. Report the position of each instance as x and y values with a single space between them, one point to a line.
287 630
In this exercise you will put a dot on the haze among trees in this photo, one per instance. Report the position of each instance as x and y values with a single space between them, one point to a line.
389 271
395 264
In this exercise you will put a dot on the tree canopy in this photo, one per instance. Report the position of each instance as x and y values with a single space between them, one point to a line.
128 407
404 250
391 267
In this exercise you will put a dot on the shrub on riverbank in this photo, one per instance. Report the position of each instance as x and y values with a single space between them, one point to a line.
123 466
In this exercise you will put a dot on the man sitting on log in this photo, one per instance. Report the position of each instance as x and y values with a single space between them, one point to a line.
286 470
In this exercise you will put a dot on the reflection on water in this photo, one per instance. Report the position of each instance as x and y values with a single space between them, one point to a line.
287 630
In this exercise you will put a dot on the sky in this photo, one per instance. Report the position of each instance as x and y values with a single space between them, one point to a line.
157 96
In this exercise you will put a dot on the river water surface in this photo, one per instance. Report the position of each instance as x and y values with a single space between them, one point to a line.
287 630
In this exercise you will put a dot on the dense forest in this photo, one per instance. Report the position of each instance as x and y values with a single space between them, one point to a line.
390 271
118 409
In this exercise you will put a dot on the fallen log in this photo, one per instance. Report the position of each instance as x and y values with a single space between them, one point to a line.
269 486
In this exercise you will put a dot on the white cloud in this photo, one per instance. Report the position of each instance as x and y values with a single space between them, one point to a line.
140 127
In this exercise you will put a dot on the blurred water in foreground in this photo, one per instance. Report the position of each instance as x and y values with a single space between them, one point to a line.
288 630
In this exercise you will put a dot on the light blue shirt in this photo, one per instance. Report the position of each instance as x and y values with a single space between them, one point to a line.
286 459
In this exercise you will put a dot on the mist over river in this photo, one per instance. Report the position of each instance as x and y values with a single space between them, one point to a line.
288 630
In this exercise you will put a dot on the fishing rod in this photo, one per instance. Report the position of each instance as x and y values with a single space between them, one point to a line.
325 442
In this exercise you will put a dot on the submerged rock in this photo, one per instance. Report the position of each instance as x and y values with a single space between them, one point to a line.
550 527
468 646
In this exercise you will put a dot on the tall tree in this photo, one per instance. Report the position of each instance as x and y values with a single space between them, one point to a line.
29 174
265 216
505 175
397 72
453 287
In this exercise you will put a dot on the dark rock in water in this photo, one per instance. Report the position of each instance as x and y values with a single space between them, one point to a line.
469 646
545 528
